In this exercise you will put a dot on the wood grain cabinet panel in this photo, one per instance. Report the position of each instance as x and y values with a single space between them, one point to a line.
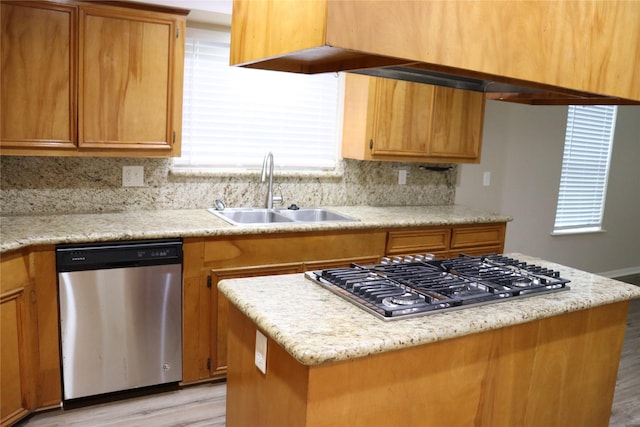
37 90
478 235
401 121
481 239
16 327
91 79
17 375
29 360
394 120
126 79
458 118
556 371
406 242
207 261
220 304
524 42
220 307
444 242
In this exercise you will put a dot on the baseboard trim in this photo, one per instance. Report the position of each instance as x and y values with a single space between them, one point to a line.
620 273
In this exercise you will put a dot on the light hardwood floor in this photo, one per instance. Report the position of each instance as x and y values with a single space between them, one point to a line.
195 406
204 405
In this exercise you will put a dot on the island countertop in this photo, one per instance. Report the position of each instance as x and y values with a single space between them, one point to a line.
322 327
21 231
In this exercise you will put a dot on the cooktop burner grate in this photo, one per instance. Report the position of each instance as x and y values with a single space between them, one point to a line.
400 290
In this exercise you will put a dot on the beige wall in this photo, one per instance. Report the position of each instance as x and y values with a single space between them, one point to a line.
523 151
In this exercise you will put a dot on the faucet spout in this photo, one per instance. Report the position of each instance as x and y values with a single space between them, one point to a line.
267 169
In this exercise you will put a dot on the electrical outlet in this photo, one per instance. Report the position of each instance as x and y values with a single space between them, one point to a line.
402 176
133 176
261 352
486 179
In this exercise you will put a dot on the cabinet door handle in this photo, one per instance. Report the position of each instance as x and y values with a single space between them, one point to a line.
371 144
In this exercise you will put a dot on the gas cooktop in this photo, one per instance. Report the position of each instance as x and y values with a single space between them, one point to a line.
401 289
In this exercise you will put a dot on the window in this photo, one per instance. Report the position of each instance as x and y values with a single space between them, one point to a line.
585 168
233 116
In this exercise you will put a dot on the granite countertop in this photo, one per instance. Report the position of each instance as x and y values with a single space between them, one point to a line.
21 231
320 327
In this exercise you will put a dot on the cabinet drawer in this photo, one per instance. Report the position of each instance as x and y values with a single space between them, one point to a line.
250 250
475 236
416 241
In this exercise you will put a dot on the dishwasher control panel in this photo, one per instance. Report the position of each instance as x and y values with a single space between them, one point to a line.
74 257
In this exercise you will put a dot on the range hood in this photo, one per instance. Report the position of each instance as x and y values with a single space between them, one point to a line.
527 51
496 88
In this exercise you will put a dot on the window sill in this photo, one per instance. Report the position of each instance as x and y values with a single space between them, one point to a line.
193 172
586 230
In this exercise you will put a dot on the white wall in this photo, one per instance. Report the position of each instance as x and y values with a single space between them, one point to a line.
522 148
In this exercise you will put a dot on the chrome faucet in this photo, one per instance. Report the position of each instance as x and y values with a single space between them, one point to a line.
268 163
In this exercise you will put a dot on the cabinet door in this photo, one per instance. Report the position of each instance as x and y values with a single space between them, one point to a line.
126 73
15 390
401 117
220 307
457 124
37 91
16 336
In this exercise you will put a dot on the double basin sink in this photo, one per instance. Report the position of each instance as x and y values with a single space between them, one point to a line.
257 216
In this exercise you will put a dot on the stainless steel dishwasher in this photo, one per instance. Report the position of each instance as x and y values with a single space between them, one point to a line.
120 315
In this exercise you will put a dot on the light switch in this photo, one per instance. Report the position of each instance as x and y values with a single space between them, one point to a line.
261 352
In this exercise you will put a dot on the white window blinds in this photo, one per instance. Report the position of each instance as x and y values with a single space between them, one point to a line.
585 168
233 116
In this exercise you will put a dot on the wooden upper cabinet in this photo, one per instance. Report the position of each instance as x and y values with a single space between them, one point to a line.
458 117
126 85
37 91
92 79
396 120
401 118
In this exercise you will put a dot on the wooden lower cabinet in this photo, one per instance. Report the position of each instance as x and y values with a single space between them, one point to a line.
29 360
18 346
559 371
220 304
207 261
220 307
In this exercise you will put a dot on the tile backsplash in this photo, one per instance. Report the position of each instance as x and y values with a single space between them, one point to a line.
46 185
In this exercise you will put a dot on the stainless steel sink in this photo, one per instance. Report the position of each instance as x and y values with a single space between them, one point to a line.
250 216
315 215
258 216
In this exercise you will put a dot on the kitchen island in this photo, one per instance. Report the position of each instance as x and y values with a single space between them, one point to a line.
545 360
